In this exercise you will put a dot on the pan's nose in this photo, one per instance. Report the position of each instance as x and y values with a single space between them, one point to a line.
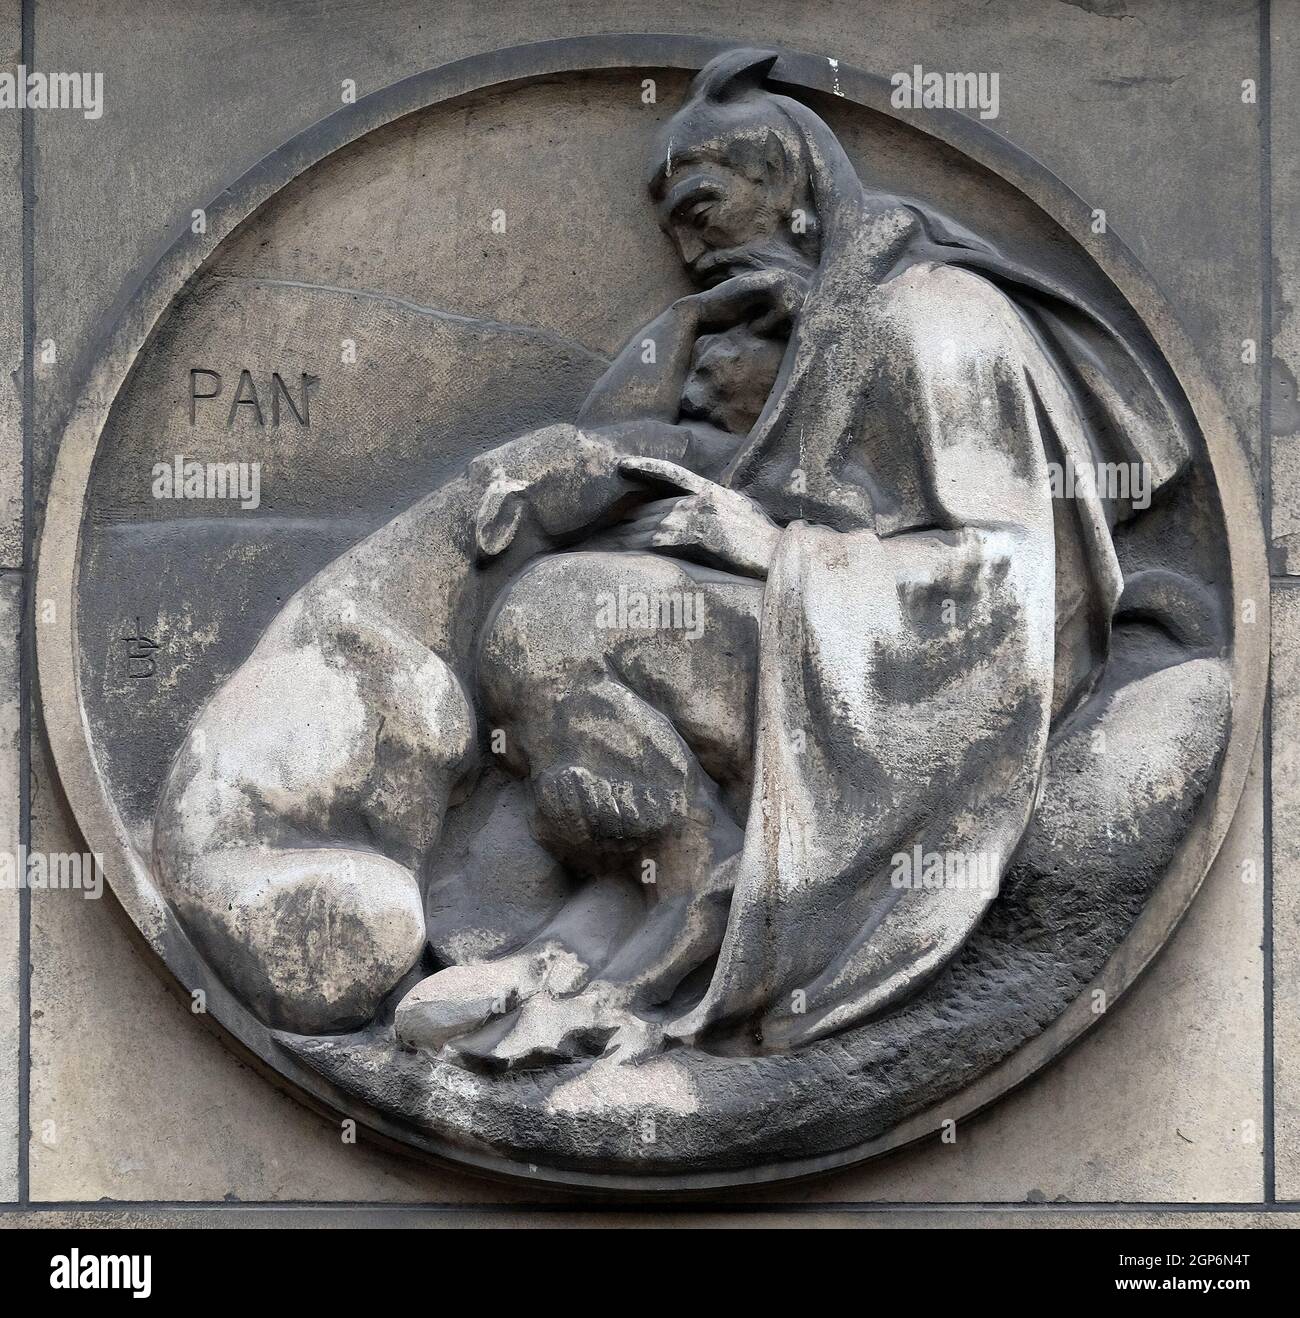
690 244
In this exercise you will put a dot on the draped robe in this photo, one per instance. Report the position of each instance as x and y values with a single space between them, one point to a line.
931 609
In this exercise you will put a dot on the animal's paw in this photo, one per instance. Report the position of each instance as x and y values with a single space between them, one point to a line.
548 1030
462 999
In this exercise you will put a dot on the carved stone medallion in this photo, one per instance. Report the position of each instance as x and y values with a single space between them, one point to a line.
629 614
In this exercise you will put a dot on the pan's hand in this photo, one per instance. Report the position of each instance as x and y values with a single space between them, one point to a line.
709 523
768 299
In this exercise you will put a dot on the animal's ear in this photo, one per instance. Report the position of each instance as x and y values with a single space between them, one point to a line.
732 74
499 514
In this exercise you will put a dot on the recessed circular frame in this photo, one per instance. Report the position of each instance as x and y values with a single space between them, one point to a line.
123 347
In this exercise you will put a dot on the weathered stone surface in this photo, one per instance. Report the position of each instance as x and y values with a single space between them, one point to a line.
1043 683
537 299
11 557
10 965
1150 1108
132 1099
1062 1219
1126 84
1181 1061
1284 403
11 306
1165 1104
1286 887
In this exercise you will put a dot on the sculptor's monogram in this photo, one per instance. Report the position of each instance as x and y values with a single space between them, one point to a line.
140 658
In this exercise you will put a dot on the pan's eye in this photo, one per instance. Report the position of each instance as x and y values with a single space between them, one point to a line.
696 208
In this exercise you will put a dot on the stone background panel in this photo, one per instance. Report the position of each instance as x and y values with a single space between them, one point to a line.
1136 104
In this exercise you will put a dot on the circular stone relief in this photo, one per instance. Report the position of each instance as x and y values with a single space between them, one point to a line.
632 615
